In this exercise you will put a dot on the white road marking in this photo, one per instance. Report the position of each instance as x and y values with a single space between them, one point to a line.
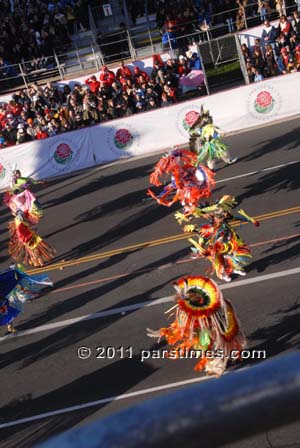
103 401
251 173
136 306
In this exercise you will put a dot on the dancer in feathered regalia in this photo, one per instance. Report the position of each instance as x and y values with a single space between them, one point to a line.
218 241
205 325
205 141
20 199
195 130
25 245
26 203
19 184
212 147
188 183
16 288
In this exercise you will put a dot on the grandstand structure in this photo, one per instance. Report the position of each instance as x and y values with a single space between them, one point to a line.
111 36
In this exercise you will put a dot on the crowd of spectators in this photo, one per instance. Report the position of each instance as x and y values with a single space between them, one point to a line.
191 15
186 17
186 12
31 29
277 52
42 112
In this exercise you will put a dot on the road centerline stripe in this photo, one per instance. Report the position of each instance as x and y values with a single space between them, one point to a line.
164 240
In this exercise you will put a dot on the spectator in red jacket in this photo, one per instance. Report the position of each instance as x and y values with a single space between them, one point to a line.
170 92
288 60
2 115
14 107
284 26
93 84
40 134
171 24
123 73
107 76
182 67
138 73
297 57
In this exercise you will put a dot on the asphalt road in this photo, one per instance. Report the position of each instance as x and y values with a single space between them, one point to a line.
118 252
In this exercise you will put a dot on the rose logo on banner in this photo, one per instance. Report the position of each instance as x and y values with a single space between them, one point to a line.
187 116
2 171
6 171
63 154
189 119
264 104
123 139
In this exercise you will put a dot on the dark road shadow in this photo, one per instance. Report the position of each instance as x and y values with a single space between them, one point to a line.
109 381
57 310
288 253
288 141
281 336
102 181
286 178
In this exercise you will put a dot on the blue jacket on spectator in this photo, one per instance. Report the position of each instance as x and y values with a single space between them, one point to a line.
169 39
195 63
258 77
280 64
271 34
6 69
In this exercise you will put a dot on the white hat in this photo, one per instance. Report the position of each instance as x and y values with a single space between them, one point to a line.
20 126
182 58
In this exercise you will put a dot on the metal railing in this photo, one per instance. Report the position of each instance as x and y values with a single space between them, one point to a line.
219 23
27 72
116 46
213 53
211 414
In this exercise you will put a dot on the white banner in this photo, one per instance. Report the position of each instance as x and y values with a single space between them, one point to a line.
50 157
140 134
232 110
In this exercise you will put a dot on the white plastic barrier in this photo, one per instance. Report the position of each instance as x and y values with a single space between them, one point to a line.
42 159
232 110
235 109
